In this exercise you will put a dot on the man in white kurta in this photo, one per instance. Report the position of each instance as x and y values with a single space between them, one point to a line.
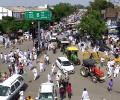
35 73
116 71
49 77
85 95
41 66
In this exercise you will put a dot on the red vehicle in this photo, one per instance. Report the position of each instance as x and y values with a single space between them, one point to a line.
89 69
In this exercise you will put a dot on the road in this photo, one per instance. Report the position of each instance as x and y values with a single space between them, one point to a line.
96 91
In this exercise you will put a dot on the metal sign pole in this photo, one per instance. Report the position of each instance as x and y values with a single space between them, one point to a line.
39 35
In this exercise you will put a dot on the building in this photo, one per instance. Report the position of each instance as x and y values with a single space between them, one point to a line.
5 12
111 17
18 11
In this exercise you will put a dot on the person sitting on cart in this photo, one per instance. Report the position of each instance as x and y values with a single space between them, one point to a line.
91 56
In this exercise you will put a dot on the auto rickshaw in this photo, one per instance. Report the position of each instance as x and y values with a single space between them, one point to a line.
64 44
72 54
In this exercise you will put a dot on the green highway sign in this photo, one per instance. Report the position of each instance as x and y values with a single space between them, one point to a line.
38 15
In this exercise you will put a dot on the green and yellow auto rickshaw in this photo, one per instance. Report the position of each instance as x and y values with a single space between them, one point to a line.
72 54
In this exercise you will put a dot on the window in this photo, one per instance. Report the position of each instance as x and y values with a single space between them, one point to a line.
66 63
17 84
59 61
20 79
4 91
12 88
45 96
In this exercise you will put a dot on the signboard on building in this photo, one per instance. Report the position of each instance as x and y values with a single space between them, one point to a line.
38 15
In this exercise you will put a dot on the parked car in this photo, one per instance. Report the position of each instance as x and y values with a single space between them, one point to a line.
65 65
9 89
47 92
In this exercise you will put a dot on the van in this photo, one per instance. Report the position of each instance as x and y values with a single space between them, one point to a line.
10 88
47 91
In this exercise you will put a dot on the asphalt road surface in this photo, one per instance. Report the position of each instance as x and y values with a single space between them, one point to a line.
96 91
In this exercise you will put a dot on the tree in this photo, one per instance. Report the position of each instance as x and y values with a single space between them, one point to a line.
62 10
93 24
100 5
10 25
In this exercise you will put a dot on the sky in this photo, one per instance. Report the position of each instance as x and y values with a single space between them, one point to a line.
40 2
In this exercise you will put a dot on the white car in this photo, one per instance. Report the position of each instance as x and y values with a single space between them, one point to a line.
65 65
10 88
47 92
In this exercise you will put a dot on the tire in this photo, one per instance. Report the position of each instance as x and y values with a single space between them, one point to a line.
83 72
94 79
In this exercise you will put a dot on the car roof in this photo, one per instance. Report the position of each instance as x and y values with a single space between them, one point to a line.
10 80
47 87
63 58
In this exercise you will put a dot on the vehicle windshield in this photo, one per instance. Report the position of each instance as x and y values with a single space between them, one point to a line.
4 90
46 96
66 63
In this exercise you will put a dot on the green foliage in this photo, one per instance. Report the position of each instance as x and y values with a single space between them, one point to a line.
93 24
9 25
100 5
62 10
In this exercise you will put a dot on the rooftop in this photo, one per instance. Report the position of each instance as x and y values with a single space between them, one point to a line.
23 9
46 87
111 13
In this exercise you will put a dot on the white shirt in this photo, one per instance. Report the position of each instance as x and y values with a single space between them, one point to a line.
5 56
17 50
25 53
49 77
112 62
47 58
117 69
1 56
108 64
85 95
102 59
12 59
34 71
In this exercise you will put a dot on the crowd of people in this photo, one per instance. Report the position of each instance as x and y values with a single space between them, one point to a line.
17 60
20 60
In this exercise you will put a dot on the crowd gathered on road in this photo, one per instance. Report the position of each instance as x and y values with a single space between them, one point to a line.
20 61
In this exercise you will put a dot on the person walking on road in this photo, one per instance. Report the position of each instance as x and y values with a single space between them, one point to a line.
35 73
5 58
10 70
85 95
41 66
53 69
1 57
110 85
116 71
62 92
30 64
57 80
49 77
110 68
21 95
47 60
69 91
21 68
